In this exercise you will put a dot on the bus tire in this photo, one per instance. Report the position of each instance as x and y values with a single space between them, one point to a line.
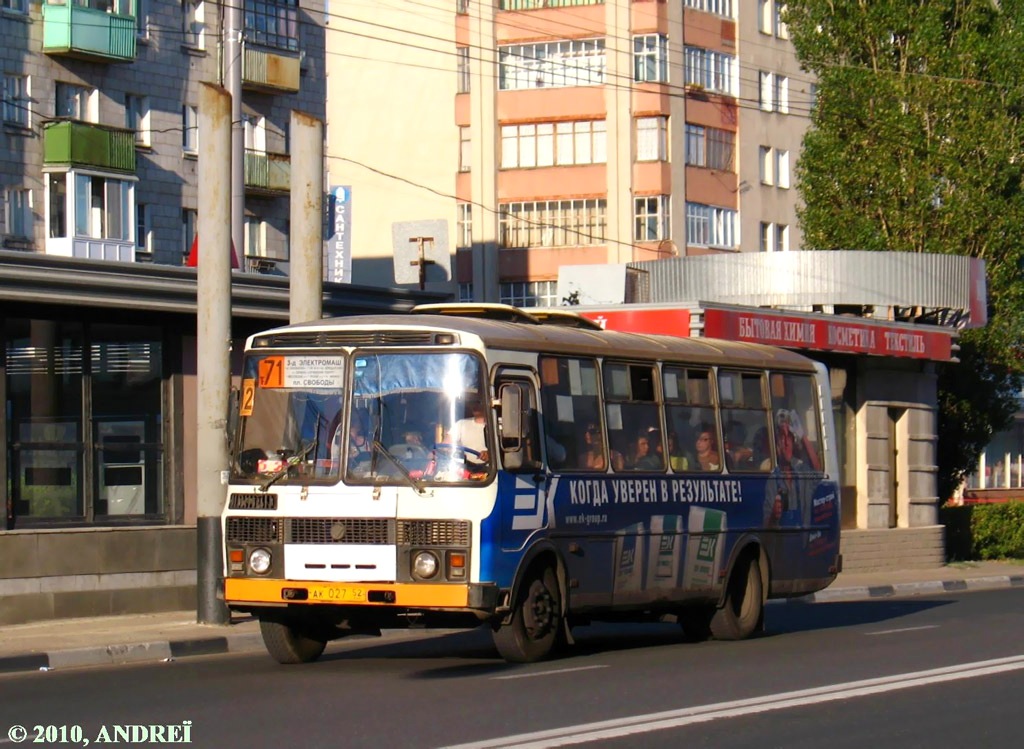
696 622
744 602
536 623
287 644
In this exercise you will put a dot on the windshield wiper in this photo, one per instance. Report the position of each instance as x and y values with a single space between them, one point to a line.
378 446
290 463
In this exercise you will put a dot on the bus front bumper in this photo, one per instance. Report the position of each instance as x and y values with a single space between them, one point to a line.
448 596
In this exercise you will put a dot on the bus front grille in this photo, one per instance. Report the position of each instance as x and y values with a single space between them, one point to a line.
242 530
351 338
433 532
341 531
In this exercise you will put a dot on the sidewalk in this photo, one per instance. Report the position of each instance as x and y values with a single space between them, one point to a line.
68 643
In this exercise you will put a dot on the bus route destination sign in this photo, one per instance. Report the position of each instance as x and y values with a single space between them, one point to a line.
301 372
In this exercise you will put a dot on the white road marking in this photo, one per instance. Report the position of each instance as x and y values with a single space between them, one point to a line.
904 629
547 673
639 724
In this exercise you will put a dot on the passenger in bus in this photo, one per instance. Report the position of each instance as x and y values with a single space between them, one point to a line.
358 444
737 453
677 460
762 455
643 458
592 456
708 458
471 433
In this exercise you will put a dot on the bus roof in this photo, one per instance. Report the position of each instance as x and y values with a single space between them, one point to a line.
535 335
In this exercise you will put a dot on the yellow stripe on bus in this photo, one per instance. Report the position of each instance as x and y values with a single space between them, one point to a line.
418 595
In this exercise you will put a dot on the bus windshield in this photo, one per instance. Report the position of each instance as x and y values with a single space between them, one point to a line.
422 415
413 418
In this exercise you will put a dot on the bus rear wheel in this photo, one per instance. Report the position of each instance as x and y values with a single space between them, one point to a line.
536 622
744 602
288 643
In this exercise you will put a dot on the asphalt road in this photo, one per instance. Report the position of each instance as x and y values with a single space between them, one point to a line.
937 671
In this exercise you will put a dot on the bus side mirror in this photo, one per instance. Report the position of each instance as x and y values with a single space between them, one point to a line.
511 416
511 426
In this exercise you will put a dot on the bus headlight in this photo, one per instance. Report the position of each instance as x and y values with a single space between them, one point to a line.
425 565
259 561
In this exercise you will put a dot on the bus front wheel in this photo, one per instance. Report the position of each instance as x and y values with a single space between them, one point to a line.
288 644
744 602
536 620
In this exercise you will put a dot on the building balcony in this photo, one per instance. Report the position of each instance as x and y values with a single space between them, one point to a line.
270 70
88 32
72 143
267 173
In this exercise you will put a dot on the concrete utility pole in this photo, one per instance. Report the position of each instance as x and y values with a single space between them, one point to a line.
306 283
213 341
233 84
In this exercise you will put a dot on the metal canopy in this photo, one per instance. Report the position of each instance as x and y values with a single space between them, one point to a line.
45 279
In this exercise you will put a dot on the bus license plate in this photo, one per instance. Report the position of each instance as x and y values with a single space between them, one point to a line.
339 593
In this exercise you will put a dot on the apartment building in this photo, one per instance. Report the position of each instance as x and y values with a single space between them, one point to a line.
99 147
564 132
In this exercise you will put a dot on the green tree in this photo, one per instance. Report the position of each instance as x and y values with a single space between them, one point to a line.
915 145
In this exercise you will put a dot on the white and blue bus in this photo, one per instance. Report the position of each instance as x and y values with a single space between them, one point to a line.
476 464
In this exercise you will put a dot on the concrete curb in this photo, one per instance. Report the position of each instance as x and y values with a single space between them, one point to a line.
246 642
914 588
138 652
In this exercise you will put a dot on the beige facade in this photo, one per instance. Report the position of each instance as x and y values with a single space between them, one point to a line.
563 133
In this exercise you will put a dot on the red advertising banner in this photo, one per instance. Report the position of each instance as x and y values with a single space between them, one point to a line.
829 334
658 321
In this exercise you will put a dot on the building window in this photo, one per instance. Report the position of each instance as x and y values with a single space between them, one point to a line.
190 129
462 7
782 168
529 293
465 292
535 4
583 142
781 238
576 62
765 13
651 218
103 387
549 143
781 29
462 69
189 227
652 139
16 6
774 237
136 117
194 23
272 23
650 58
255 237
552 223
143 230
17 102
710 226
18 214
780 94
711 71
254 129
774 92
710 147
766 162
464 226
102 207
465 149
718 7
142 19
74 101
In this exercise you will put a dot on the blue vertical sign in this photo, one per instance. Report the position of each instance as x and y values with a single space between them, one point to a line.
339 246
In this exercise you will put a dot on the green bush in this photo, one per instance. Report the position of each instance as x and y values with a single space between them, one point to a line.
993 531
